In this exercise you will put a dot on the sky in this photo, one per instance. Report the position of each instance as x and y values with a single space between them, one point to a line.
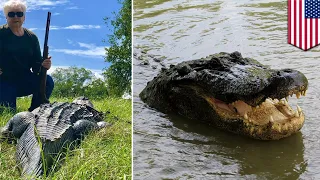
77 30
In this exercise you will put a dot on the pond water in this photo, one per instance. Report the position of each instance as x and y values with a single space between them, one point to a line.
176 148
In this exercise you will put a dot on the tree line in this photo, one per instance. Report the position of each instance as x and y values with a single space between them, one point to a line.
75 81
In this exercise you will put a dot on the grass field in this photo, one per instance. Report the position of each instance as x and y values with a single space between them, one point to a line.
105 154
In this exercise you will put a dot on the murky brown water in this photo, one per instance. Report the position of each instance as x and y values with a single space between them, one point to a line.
176 148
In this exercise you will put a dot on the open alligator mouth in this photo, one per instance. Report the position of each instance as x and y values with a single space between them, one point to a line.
272 119
267 119
236 94
270 111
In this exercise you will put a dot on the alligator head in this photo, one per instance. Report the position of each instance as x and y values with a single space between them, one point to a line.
231 92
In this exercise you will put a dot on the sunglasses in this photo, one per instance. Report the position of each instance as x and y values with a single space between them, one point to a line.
13 14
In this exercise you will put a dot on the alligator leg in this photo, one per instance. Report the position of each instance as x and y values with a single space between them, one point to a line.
16 126
83 127
6 132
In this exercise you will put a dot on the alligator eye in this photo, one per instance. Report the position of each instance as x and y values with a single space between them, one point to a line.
235 109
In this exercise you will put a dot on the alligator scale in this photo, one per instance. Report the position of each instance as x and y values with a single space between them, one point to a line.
49 130
233 93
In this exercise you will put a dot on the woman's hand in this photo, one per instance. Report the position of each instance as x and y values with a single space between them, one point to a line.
47 63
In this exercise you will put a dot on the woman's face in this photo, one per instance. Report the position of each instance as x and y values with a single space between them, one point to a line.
15 21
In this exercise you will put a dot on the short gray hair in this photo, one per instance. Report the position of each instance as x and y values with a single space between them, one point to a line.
13 3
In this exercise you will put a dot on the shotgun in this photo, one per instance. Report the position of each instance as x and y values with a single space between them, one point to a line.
40 97
44 70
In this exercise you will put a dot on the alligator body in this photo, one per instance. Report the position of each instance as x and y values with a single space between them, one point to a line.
49 130
233 93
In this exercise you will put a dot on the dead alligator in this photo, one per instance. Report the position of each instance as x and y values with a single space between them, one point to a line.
233 93
49 130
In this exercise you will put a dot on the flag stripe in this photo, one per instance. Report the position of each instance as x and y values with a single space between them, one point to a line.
300 24
305 34
292 24
303 30
295 23
308 33
316 31
311 35
289 21
313 32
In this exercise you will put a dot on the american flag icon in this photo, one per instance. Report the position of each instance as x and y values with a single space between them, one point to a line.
303 25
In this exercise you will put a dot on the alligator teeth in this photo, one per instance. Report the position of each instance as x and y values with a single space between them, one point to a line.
305 92
271 119
284 102
285 127
296 114
269 101
276 127
298 94
245 116
299 109
279 128
251 130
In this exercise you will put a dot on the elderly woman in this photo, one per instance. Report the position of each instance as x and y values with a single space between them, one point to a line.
19 53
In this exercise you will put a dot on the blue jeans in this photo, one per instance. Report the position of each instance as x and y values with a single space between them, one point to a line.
26 85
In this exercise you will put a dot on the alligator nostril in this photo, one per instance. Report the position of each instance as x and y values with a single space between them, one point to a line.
287 70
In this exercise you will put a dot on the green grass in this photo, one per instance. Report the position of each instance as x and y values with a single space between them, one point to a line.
105 154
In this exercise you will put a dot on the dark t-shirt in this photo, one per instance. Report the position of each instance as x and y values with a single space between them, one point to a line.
18 54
